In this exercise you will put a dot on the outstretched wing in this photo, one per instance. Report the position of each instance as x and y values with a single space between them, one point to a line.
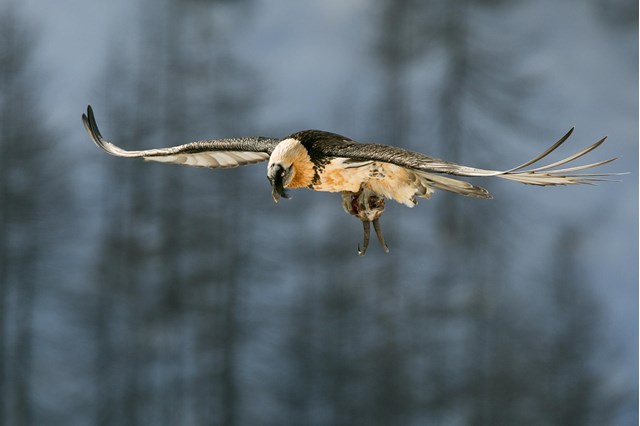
431 168
220 153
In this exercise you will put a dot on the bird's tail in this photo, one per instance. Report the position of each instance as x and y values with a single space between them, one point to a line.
447 183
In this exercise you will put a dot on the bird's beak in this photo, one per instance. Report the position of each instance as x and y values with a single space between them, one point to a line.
277 183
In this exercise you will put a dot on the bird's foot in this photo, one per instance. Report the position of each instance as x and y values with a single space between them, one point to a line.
367 206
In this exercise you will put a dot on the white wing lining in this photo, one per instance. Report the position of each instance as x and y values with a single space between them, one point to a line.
212 159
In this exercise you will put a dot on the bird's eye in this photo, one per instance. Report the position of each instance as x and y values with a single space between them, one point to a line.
282 172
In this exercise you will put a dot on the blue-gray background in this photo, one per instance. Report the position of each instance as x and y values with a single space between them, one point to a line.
136 293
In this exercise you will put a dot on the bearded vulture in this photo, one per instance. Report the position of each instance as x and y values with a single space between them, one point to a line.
365 174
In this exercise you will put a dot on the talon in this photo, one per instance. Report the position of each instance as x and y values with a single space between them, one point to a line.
367 232
376 226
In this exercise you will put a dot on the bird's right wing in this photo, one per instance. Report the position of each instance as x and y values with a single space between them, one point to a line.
547 175
219 153
433 171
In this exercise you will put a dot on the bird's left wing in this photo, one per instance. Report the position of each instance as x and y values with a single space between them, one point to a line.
220 153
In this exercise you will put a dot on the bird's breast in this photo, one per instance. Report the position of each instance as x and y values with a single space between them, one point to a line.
341 174
386 180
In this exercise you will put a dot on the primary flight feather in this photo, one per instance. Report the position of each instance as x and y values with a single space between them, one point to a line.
365 174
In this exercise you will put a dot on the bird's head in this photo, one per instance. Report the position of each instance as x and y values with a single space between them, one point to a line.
280 175
289 167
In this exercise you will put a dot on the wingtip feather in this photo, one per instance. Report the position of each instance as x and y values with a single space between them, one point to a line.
89 122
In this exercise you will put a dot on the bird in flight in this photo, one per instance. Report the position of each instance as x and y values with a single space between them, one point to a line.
364 173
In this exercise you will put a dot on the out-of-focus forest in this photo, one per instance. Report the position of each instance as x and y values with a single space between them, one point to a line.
136 293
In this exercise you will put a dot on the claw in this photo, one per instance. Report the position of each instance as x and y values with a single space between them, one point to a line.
366 225
376 226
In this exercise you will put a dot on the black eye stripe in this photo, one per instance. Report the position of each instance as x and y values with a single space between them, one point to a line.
278 176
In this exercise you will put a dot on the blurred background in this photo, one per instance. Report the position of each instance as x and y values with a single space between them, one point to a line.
136 293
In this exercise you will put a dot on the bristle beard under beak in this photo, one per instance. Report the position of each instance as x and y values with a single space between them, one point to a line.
275 195
278 193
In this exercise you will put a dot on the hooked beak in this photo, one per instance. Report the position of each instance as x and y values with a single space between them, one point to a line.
277 184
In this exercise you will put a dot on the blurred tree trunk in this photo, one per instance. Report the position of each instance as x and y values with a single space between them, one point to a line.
222 93
468 242
392 399
23 188
121 303
124 329
215 230
570 390
328 381
168 314
471 240
182 260
456 228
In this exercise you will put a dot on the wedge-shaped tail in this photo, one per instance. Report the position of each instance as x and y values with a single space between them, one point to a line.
552 175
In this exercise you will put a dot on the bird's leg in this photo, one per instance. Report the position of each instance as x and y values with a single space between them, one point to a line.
367 206
367 231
